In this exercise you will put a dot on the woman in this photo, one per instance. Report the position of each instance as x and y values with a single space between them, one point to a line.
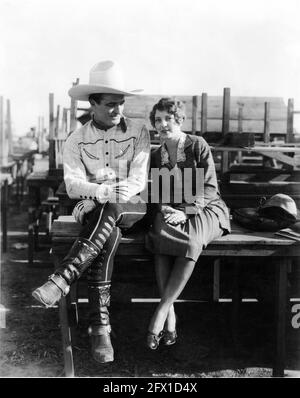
181 228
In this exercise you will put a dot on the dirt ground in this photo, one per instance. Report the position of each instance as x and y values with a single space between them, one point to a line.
31 341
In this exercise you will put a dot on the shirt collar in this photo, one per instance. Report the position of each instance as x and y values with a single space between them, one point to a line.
122 125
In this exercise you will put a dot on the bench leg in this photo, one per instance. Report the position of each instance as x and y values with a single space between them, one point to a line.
280 316
30 245
216 282
4 209
236 304
66 338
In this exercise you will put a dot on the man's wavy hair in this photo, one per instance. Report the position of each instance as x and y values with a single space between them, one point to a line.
173 107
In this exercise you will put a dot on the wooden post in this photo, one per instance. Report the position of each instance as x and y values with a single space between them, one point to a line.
266 130
73 111
240 118
225 126
42 133
8 128
194 114
4 142
2 136
51 132
39 135
226 111
4 209
280 316
290 121
56 130
216 278
203 113
240 129
267 123
64 128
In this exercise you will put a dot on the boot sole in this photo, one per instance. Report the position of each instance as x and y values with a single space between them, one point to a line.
99 360
38 297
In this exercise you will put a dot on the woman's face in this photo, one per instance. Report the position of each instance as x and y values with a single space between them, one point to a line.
166 124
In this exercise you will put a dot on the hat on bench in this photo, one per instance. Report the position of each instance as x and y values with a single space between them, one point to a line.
280 211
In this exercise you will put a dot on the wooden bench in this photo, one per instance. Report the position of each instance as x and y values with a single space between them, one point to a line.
239 244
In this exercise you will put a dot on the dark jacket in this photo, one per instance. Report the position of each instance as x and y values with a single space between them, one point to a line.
198 156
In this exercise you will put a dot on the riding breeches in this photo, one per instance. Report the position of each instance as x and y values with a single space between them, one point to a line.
103 227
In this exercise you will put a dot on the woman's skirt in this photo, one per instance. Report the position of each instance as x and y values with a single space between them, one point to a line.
184 240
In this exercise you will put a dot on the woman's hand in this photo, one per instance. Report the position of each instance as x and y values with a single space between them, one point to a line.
174 217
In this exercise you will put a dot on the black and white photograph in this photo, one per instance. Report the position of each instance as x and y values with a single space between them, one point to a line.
150 191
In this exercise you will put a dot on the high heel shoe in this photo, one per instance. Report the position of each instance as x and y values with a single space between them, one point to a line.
154 339
169 338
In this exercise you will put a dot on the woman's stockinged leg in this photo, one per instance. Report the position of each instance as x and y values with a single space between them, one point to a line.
163 268
178 278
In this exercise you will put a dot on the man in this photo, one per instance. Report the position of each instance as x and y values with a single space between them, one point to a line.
106 165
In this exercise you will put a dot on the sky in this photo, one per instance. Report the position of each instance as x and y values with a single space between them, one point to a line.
182 47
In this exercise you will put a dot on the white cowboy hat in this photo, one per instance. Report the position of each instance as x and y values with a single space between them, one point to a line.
105 77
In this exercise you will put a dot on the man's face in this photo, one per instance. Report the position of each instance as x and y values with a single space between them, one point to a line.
110 109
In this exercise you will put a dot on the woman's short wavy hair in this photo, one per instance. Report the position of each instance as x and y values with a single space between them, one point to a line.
173 107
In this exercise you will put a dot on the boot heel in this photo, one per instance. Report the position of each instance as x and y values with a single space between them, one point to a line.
153 340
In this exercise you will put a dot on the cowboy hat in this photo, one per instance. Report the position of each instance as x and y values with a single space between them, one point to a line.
105 78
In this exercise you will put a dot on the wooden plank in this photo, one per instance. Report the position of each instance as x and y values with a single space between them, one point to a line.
279 156
258 148
67 226
203 113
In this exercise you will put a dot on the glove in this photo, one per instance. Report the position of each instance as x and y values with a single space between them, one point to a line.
103 193
82 208
121 192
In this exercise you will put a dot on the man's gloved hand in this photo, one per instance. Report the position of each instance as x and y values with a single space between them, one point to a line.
82 208
121 192
104 192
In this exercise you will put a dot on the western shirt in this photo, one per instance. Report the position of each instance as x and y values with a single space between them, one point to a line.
93 156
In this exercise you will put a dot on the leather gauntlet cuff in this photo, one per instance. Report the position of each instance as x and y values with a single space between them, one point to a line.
60 282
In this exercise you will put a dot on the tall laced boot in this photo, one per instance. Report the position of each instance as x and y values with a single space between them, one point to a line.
79 258
99 330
